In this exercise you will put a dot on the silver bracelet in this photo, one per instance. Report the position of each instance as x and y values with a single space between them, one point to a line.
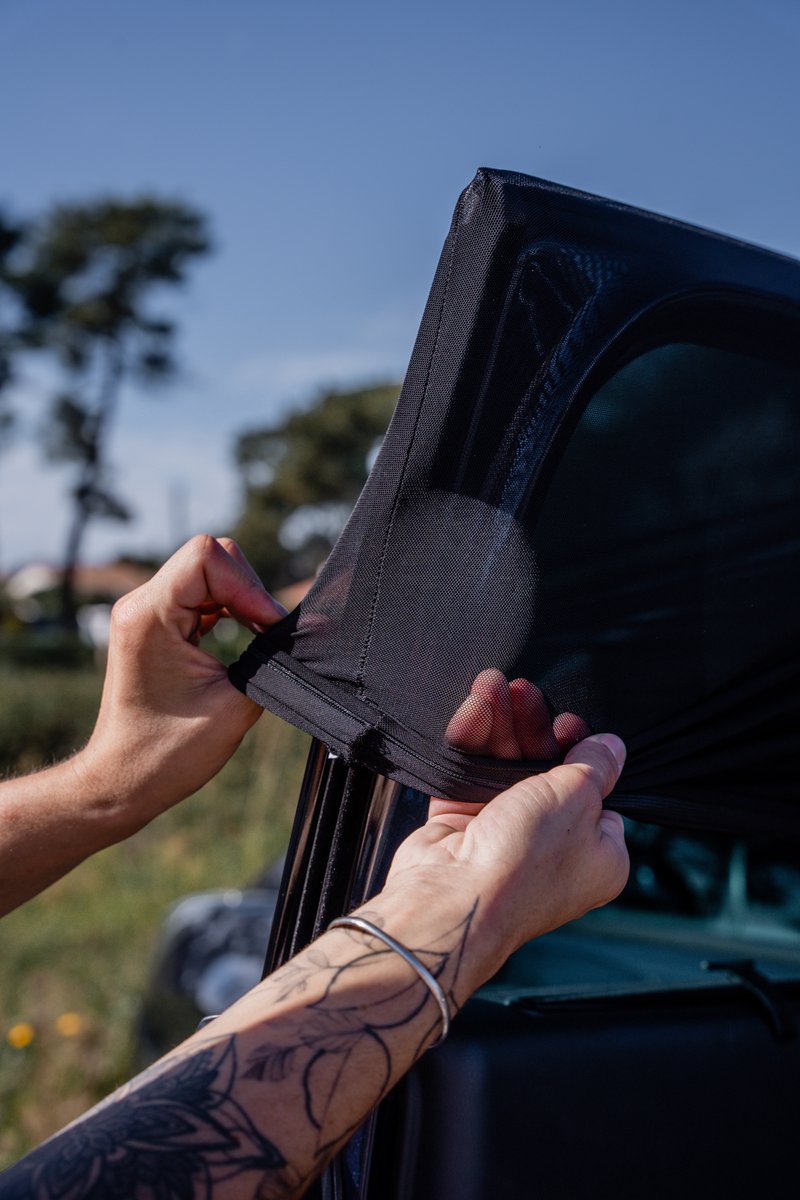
436 989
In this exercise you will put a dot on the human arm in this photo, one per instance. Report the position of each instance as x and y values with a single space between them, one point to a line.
257 1102
169 718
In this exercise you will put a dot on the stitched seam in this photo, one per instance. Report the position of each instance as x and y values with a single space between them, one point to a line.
451 770
362 662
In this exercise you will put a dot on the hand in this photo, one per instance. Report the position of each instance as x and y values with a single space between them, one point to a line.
169 717
540 854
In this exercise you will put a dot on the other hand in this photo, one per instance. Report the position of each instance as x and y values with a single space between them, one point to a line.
169 717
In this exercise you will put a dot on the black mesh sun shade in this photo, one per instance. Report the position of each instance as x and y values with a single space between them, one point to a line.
589 482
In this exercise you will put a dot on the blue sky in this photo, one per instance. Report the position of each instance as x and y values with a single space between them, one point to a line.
328 144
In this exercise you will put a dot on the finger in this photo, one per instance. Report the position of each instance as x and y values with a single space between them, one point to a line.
532 723
451 821
447 808
491 686
236 552
568 729
470 727
427 835
612 826
202 574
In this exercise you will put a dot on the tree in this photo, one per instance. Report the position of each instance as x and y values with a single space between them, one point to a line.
302 477
87 277
10 236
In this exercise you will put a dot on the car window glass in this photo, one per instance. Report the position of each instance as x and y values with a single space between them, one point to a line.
670 521
692 902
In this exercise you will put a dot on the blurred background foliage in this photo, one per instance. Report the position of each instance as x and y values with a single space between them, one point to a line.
302 475
77 284
77 287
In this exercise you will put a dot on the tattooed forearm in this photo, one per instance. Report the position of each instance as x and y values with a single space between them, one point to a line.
257 1103
177 1133
332 1035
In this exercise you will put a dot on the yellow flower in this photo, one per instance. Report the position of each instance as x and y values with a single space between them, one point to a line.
21 1035
69 1024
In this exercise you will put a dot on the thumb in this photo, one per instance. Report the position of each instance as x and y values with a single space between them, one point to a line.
596 763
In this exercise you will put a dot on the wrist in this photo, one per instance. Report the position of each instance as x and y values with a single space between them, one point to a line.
425 908
113 795
101 807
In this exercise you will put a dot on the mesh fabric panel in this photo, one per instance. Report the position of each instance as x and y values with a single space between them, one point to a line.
589 482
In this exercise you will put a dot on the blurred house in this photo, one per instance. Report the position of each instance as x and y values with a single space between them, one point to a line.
32 594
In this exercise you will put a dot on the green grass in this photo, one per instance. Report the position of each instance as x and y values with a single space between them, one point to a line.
84 945
45 714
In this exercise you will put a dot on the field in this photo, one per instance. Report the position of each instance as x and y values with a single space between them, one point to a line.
75 958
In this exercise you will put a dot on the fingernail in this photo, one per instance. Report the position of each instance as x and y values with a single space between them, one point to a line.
258 628
614 744
280 613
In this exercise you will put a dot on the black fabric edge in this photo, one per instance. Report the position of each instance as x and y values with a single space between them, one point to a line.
545 187
362 736
276 685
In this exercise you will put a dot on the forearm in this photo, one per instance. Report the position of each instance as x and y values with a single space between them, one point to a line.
260 1100
49 822
121 780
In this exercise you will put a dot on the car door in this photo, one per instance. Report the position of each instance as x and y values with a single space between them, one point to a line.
589 482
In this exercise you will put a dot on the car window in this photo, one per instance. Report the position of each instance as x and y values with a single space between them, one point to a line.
695 909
